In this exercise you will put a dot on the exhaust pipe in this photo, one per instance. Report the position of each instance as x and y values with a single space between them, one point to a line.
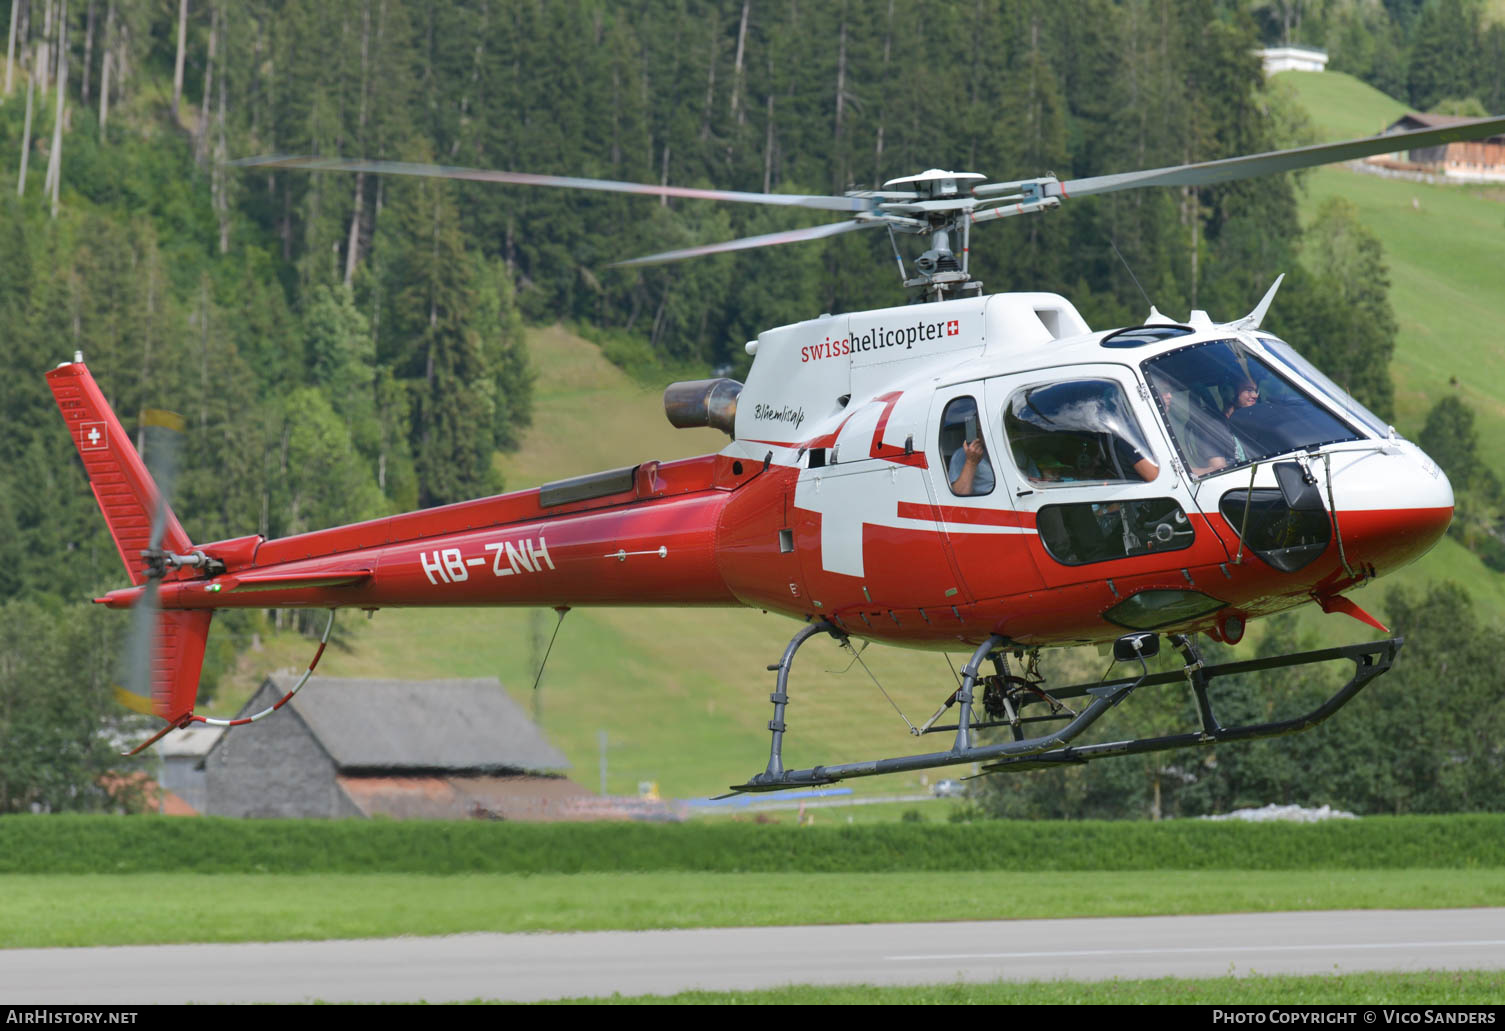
703 402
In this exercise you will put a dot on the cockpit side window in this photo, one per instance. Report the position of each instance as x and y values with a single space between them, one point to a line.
1226 407
1076 432
968 468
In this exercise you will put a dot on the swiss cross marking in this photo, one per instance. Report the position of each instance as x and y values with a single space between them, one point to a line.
92 437
953 328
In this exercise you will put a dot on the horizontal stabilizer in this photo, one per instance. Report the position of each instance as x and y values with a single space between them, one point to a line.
284 581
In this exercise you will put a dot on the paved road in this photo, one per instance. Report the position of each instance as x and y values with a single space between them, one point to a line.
546 966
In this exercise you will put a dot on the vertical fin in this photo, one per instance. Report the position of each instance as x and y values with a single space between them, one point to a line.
127 495
171 654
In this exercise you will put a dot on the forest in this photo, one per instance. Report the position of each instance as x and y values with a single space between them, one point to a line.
347 345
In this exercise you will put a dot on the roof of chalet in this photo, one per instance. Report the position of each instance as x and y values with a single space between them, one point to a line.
1415 120
432 725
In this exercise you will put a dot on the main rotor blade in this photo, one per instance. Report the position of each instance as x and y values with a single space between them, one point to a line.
749 242
1206 172
318 164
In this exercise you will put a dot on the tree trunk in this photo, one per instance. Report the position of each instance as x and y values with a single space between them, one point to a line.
221 154
177 73
104 70
31 89
353 245
841 93
710 85
841 76
55 159
201 144
663 201
10 48
768 147
888 43
286 228
738 114
88 51
43 54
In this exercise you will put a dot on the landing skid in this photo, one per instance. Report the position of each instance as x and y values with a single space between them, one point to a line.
1055 748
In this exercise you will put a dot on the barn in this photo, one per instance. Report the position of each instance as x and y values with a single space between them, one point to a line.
1464 161
356 747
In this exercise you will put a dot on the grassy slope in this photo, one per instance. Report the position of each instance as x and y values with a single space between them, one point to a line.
1445 246
1445 254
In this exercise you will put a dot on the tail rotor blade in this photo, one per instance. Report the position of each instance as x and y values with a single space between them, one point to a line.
135 688
162 434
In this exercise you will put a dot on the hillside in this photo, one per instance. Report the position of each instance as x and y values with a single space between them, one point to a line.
1340 106
1444 247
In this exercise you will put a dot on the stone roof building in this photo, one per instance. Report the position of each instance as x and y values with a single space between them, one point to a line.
437 749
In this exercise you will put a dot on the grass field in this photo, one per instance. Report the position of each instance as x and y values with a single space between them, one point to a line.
1433 987
43 910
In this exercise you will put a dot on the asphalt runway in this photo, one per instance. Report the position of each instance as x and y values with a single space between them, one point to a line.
527 967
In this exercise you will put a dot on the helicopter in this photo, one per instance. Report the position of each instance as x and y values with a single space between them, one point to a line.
974 471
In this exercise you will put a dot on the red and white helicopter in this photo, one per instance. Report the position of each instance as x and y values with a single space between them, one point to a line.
975 471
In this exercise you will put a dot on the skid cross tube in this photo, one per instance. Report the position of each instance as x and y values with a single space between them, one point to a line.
1370 660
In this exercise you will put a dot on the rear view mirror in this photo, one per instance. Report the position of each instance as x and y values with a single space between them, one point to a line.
1136 646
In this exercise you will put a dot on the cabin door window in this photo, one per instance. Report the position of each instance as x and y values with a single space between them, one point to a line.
1094 478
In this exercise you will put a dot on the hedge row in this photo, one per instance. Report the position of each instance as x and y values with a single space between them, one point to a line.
141 844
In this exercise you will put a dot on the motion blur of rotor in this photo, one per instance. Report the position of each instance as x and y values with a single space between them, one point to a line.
142 686
943 204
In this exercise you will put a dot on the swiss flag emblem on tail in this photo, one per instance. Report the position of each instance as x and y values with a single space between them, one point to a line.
93 436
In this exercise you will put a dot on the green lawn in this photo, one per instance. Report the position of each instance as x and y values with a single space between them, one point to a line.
39 911
1431 987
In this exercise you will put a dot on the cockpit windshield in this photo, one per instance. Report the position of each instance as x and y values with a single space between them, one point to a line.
1226 407
1288 356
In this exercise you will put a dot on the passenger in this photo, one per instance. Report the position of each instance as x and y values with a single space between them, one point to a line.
970 471
1201 456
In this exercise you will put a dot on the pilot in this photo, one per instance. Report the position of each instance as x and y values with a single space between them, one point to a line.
970 472
1245 395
